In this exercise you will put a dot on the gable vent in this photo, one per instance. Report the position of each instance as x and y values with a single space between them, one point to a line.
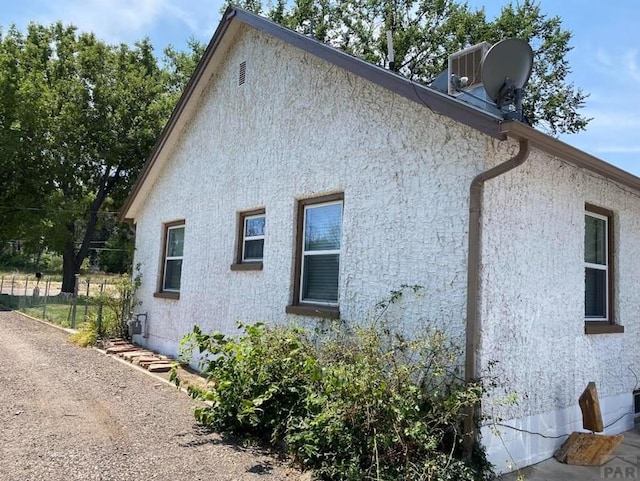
242 76
466 63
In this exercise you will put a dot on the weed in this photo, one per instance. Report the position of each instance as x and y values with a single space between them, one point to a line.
86 335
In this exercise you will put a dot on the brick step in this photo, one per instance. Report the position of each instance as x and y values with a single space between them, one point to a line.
121 349
130 355
137 355
159 367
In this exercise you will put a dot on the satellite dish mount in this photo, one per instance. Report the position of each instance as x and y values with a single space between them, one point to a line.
506 69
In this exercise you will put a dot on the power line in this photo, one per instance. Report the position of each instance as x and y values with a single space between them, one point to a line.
39 209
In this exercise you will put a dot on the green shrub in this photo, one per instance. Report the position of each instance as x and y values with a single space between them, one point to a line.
351 404
260 379
118 306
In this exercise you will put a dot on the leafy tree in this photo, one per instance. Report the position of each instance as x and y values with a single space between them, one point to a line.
425 32
23 112
78 118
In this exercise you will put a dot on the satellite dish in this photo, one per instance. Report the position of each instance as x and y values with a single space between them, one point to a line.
506 68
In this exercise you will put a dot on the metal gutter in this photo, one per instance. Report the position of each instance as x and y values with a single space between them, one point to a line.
473 278
431 98
564 151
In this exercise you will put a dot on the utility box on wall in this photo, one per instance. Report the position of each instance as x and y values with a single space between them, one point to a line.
135 325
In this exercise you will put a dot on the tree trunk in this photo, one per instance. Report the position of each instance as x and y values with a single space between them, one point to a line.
72 259
69 268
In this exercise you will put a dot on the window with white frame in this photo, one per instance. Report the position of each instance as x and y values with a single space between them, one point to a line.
319 251
173 256
252 240
597 259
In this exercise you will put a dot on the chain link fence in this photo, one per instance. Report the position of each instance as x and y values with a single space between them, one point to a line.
102 301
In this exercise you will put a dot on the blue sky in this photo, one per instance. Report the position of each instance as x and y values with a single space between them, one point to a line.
605 59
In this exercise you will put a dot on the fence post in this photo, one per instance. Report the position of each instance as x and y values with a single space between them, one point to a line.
1 284
13 281
46 295
74 304
99 319
86 301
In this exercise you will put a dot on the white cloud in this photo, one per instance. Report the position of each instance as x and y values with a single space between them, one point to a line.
124 21
603 58
621 66
201 23
630 60
111 20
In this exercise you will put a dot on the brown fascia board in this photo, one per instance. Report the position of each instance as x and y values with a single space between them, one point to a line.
434 100
430 98
566 152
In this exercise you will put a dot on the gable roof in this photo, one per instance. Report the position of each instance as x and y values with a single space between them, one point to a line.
434 100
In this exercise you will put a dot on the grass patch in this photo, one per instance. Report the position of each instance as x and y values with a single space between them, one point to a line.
56 314
60 314
100 314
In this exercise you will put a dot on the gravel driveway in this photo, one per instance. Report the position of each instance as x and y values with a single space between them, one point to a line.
68 413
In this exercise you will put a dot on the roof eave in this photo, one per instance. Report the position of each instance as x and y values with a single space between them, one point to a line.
562 150
436 101
416 92
413 91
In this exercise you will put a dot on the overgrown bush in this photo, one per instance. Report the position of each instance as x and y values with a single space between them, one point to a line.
118 306
354 403
114 307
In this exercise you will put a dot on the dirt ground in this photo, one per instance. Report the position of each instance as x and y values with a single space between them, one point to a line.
68 413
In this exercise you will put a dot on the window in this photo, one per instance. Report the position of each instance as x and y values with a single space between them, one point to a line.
598 265
172 259
596 269
250 251
318 256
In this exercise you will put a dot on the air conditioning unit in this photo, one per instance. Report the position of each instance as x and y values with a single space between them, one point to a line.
466 63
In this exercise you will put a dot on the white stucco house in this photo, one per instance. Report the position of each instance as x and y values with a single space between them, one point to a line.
294 182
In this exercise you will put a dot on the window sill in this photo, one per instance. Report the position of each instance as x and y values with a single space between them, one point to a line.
602 327
167 295
247 266
314 310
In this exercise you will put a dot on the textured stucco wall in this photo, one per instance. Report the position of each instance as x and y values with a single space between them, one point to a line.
533 302
301 127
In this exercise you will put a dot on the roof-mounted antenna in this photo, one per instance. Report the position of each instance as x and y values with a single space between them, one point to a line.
391 53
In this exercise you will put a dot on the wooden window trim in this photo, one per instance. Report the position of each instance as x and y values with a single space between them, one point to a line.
160 292
608 326
314 310
247 266
602 327
167 295
297 307
239 264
